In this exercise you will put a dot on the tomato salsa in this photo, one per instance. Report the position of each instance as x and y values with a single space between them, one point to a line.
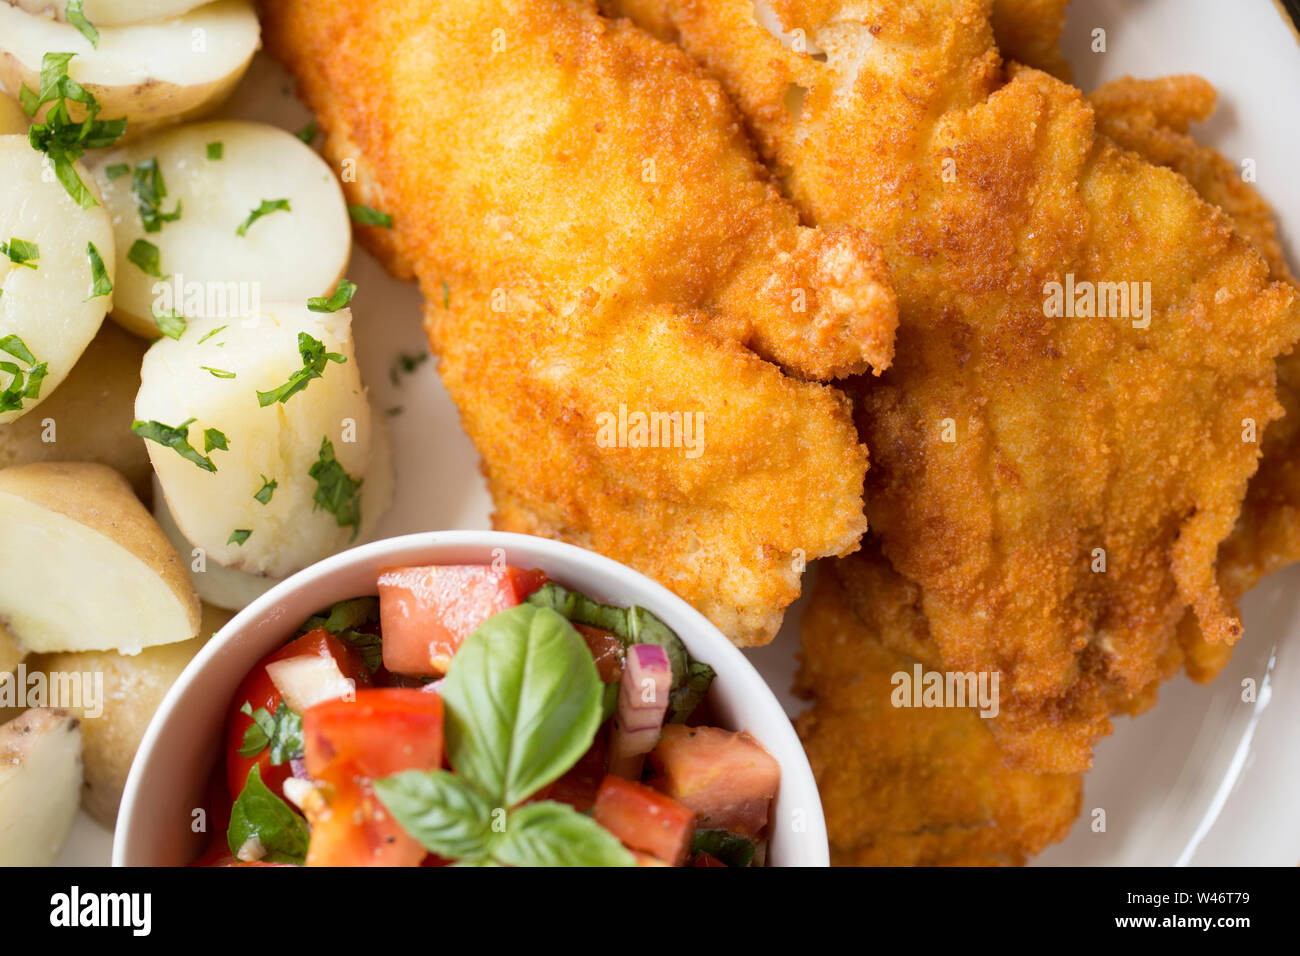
485 715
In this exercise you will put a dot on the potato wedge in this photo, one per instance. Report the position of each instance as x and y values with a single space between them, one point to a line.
12 118
149 73
316 444
40 785
89 417
46 308
132 689
88 568
286 255
219 586
111 13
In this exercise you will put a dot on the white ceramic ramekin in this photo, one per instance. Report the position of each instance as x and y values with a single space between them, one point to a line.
179 750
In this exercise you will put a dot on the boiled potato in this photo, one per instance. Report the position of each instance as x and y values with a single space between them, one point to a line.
46 305
12 118
11 652
220 586
315 445
149 73
111 13
288 255
133 687
87 567
89 417
40 785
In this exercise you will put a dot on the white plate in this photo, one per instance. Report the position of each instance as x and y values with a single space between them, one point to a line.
1204 778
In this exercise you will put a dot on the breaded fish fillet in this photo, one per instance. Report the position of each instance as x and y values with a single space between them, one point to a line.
1151 117
908 786
599 249
1029 32
1086 349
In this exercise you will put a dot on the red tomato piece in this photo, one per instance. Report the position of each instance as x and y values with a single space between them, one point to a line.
708 859
258 690
425 612
383 731
606 651
645 820
350 827
725 777
581 782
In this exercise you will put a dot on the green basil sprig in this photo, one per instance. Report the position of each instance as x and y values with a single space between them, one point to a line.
260 814
281 731
523 704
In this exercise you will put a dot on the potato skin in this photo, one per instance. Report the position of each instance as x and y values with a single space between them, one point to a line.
92 410
134 686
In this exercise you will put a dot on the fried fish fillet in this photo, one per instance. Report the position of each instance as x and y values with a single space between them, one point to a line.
1057 480
908 786
1029 32
1151 117
596 241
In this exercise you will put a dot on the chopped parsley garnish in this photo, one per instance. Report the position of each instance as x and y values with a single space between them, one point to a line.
76 16
267 207
150 190
219 328
116 170
266 491
214 438
217 372
370 217
100 283
144 255
175 438
239 536
308 133
21 252
341 297
24 383
58 137
314 358
216 150
406 364
173 326
336 490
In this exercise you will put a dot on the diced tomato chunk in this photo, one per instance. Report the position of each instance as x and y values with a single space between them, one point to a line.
425 612
644 820
606 651
350 827
707 859
259 691
581 782
383 731
724 776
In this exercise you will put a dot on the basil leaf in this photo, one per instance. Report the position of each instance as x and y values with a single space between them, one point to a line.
447 815
264 208
522 703
632 625
683 701
731 848
259 814
554 834
346 615
258 734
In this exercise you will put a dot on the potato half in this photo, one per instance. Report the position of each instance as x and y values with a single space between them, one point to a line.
111 13
12 118
221 497
87 567
46 301
89 417
133 687
150 73
285 255
40 785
